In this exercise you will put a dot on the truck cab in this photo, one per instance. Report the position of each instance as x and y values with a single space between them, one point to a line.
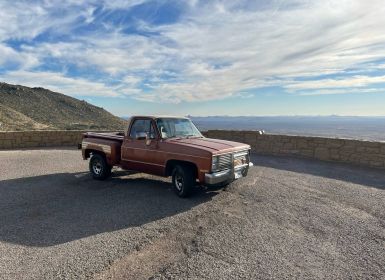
167 146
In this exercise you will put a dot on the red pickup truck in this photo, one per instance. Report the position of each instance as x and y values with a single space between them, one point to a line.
167 146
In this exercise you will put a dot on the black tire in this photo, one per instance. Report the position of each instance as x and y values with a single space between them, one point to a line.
99 167
245 171
183 180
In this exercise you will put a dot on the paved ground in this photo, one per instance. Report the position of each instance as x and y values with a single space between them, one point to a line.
289 218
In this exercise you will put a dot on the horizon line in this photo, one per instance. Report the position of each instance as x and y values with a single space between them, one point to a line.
277 116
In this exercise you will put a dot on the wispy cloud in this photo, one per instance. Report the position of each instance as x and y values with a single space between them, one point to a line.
213 50
346 83
60 83
11 58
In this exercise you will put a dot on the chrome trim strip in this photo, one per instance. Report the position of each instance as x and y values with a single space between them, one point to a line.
241 166
105 148
171 153
241 153
218 177
231 151
144 162
225 175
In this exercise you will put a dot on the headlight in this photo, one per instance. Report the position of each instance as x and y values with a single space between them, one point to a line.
215 164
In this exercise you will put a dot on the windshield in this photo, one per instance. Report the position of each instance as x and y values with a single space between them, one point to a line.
173 127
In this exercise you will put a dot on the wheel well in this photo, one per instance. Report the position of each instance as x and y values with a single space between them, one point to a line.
172 163
88 153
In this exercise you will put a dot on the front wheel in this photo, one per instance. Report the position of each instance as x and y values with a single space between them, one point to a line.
99 167
183 180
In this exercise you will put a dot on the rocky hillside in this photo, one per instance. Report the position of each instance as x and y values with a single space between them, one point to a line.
24 108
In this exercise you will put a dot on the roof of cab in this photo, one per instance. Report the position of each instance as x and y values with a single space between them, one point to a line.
152 117
160 116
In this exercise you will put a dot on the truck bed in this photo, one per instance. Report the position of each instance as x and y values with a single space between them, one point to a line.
105 135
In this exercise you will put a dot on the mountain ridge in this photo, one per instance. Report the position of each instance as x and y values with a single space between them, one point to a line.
37 108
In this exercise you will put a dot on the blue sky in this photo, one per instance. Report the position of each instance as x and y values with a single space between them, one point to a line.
269 57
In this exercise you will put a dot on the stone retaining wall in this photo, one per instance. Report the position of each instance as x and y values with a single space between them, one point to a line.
366 153
29 139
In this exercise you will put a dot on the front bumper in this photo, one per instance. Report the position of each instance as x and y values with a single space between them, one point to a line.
227 175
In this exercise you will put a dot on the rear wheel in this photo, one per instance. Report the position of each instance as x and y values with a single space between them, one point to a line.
183 180
99 167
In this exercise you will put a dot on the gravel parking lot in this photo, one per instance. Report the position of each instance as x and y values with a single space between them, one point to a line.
290 218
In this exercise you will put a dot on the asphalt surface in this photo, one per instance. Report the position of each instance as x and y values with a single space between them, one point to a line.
290 218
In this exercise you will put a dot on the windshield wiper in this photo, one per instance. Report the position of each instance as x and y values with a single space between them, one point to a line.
193 136
184 136
174 137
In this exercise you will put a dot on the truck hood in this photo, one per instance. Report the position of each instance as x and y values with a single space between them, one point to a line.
214 146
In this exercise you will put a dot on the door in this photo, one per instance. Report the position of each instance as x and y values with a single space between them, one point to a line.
140 149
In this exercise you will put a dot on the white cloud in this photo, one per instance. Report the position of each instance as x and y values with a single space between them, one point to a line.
341 91
121 4
216 50
350 82
59 83
89 14
112 54
24 19
224 49
27 19
11 58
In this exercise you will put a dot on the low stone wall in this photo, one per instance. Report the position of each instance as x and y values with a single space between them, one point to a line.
366 153
29 139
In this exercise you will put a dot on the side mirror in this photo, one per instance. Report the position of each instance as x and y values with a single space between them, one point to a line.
141 136
162 132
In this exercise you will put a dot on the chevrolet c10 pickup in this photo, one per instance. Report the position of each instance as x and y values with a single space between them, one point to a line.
167 146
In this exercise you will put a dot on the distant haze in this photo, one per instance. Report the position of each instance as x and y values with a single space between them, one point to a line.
369 128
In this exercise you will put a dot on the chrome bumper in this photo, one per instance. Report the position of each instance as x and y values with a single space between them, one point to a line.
227 175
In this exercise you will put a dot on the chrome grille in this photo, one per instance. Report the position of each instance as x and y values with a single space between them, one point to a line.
241 158
225 161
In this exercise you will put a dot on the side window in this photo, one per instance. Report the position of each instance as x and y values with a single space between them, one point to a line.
137 127
142 127
152 131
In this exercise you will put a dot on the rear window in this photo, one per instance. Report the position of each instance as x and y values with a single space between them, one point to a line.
142 126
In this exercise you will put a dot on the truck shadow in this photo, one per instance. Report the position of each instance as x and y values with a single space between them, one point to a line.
57 208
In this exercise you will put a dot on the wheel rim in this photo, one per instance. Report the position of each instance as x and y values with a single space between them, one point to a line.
178 182
97 167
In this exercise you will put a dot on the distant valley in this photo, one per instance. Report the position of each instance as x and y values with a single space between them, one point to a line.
369 128
362 128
